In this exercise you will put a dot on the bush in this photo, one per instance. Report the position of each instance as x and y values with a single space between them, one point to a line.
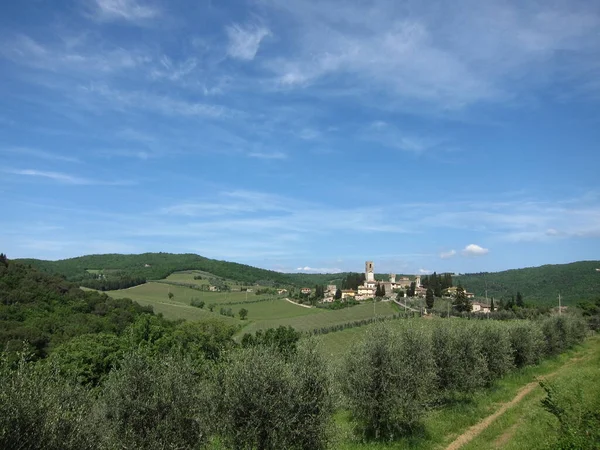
197 303
155 403
386 380
496 349
577 411
269 402
526 341
459 357
39 409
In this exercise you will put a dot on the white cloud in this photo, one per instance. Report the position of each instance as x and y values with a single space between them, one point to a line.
447 255
265 155
449 57
475 250
244 41
318 270
425 271
128 10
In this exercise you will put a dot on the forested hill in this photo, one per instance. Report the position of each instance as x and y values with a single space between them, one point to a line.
120 271
44 310
541 285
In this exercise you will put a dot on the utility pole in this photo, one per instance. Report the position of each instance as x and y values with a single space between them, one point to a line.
559 308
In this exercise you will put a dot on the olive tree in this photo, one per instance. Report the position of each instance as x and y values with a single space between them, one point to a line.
271 400
386 380
155 402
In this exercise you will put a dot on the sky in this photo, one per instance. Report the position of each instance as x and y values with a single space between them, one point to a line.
298 135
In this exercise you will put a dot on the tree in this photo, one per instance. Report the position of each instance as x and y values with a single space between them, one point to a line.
379 291
171 295
520 302
400 296
492 308
386 380
243 313
338 294
461 302
429 298
411 291
271 401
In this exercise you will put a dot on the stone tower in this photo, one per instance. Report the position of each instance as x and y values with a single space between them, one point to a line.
369 274
392 277
418 280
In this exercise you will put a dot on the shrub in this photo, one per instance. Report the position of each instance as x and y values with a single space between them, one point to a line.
269 402
496 349
577 411
386 380
155 403
459 357
39 409
526 341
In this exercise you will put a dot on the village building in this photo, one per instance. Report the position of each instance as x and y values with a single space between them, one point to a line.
346 293
306 290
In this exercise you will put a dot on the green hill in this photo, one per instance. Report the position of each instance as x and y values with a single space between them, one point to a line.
540 285
115 271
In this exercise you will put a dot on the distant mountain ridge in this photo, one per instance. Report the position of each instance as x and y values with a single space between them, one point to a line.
541 285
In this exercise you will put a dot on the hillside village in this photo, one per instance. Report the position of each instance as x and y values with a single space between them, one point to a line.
393 288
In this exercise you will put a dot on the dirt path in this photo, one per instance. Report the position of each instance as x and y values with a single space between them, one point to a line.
476 429
298 304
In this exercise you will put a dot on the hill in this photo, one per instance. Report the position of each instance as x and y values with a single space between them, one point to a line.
540 285
116 271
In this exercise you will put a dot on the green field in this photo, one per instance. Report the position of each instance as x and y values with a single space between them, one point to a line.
319 318
269 312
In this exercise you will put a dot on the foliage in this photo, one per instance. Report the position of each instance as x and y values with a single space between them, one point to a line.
155 403
386 380
526 340
459 358
197 303
461 302
154 266
46 311
540 285
577 411
243 313
284 339
429 300
39 409
270 402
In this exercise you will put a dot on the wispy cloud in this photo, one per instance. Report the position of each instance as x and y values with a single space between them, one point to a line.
128 10
475 250
390 136
244 40
143 100
429 58
63 178
266 155
42 154
448 254
319 269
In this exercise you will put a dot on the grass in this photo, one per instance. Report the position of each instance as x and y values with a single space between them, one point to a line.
318 318
269 312
526 425
157 296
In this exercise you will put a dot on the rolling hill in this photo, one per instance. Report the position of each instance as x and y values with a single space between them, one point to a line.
540 285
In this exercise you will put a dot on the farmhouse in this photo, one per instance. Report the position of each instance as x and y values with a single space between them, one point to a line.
480 307
306 290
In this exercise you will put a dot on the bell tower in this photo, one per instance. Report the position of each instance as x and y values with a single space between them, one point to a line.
369 274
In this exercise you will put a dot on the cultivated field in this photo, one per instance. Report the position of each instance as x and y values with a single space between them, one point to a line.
264 311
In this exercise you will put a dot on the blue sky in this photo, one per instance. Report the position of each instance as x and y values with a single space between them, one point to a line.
297 135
